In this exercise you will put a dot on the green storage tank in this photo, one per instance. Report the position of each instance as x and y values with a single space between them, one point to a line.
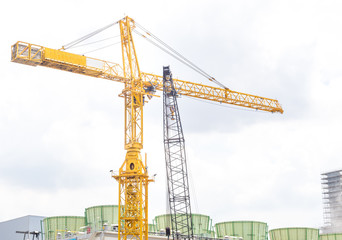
97 216
294 234
62 225
151 228
332 236
202 224
248 230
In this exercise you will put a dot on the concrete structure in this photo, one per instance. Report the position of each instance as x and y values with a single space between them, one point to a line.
24 224
332 201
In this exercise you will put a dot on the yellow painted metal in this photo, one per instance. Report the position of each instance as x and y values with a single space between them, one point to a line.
133 91
113 71
133 177
61 56
27 53
216 94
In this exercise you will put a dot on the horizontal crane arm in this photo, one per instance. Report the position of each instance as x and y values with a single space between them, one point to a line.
216 94
35 55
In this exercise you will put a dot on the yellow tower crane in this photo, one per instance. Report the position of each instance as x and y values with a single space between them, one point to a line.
133 177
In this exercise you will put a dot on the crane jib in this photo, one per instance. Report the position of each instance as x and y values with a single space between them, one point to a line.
133 177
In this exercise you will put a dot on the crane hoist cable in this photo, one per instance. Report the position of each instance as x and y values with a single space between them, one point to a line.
175 53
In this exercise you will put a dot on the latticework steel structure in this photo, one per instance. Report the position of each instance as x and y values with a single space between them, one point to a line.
332 201
176 168
139 87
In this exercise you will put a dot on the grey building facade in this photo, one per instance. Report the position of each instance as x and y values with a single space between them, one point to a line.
332 201
25 224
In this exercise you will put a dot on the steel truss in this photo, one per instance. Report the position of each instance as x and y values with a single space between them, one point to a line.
176 168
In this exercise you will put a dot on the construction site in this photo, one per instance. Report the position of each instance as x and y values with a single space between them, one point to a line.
128 217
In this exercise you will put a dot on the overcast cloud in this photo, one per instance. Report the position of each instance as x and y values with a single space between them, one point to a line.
61 133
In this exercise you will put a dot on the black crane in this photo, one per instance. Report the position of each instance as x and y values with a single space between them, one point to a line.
176 167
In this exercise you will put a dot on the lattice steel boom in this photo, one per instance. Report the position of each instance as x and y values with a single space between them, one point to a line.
133 178
36 55
176 166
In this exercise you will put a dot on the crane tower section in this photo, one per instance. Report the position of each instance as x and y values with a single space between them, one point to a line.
176 167
133 177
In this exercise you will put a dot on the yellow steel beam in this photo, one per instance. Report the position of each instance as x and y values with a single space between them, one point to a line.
133 177
34 55
216 94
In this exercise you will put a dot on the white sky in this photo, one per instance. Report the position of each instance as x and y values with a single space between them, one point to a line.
61 133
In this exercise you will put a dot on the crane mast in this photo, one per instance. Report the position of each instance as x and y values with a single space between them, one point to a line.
175 158
133 178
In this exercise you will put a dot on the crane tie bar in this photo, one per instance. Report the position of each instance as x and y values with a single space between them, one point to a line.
172 52
77 41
